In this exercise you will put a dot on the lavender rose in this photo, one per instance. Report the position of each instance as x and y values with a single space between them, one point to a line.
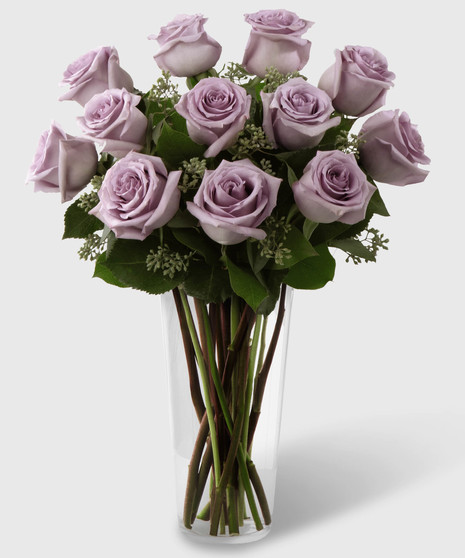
62 163
358 80
297 115
233 200
392 148
186 49
137 196
333 188
93 73
215 111
276 40
113 119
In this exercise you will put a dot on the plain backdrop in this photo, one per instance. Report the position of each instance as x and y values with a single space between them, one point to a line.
372 454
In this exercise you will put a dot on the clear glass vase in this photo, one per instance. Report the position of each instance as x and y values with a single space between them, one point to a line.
226 368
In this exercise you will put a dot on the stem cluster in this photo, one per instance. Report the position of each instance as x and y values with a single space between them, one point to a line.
228 364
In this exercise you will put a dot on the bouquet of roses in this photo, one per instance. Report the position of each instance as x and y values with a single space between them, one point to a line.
228 193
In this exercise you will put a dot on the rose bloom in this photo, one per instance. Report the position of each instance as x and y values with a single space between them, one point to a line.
391 149
358 80
137 196
113 119
297 115
276 40
186 49
333 188
93 73
233 200
62 163
215 111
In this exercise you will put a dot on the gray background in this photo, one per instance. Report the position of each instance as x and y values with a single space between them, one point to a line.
372 456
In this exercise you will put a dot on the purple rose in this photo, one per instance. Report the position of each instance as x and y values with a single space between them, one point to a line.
297 115
358 81
233 200
392 149
62 163
186 49
93 73
276 40
333 188
215 111
137 196
113 119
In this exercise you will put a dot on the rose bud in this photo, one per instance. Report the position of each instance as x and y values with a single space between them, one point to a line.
297 115
62 163
333 188
215 111
358 80
233 200
276 40
113 119
93 73
391 149
186 49
137 196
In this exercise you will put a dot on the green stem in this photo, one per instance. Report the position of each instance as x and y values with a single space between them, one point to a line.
206 387
192 477
194 383
259 491
202 478
250 376
233 431
262 377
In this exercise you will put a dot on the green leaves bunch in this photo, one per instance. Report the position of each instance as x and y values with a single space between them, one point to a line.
296 251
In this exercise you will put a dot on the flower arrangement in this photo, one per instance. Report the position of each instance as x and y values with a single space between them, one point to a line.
226 195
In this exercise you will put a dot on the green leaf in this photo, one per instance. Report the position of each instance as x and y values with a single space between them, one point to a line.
314 272
246 285
128 264
327 231
78 223
195 240
300 248
329 139
376 204
256 260
209 283
183 219
354 247
174 147
102 272
308 228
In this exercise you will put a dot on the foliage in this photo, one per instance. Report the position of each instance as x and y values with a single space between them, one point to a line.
295 252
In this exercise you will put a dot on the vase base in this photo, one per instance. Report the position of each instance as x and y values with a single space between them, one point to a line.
200 533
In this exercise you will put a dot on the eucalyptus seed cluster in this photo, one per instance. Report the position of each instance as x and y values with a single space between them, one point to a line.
272 246
273 79
267 166
92 248
235 73
251 139
193 171
88 200
168 261
349 143
163 90
373 241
